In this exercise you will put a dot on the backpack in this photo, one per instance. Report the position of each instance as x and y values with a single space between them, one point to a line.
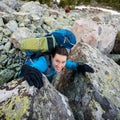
38 44
61 37
64 38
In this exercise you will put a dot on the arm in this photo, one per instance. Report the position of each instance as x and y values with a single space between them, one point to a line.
32 76
82 68
71 65
31 71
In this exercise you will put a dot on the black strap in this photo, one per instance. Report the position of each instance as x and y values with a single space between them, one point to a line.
49 62
50 43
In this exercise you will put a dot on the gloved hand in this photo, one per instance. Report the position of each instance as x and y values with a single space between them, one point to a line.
32 76
83 68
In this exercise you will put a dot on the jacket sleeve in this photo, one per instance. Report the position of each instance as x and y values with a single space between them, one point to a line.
38 63
71 65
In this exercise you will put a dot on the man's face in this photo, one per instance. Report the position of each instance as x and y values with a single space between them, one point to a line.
59 62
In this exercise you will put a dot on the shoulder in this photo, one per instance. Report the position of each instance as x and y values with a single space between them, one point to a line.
71 64
46 59
40 60
40 63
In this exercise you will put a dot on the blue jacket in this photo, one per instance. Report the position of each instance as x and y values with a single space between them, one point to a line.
42 65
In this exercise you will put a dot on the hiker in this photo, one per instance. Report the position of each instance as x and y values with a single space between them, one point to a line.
49 65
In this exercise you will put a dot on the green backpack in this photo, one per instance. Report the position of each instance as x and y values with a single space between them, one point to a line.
45 44
41 44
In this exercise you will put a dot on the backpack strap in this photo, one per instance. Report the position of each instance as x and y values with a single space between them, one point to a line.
49 62
51 42
50 68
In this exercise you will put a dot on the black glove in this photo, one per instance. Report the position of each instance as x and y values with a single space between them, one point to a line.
83 68
32 76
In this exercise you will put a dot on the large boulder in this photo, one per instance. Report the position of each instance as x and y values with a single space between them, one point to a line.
96 96
96 34
18 101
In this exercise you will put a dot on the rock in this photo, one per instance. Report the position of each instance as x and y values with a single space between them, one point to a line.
14 4
6 75
32 8
6 32
7 46
96 96
19 35
115 57
1 22
2 59
12 25
116 48
23 102
5 8
95 34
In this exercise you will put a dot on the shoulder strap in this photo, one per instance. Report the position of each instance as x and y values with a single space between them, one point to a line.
51 42
49 61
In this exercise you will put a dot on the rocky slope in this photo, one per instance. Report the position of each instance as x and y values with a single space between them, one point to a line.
94 97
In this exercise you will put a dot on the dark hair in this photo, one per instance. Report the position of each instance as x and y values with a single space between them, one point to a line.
59 50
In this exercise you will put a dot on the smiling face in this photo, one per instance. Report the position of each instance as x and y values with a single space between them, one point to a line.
59 62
